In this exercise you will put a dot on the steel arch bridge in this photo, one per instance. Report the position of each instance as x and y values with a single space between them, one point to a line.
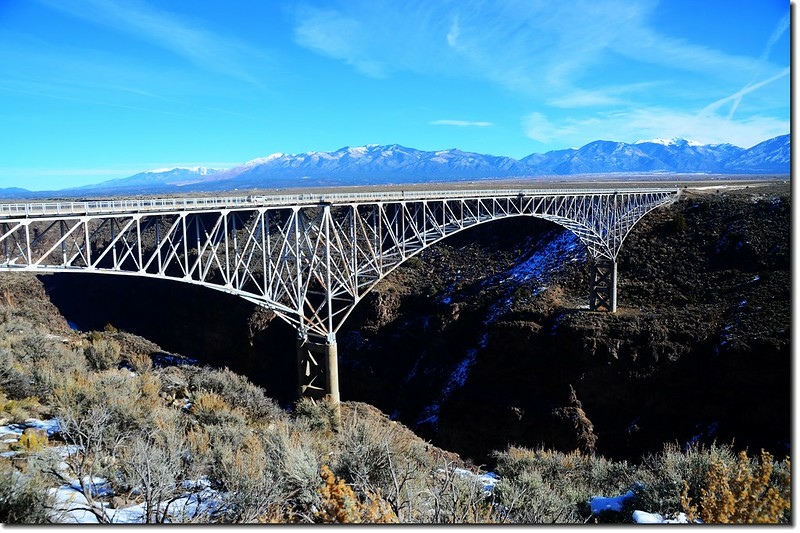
310 258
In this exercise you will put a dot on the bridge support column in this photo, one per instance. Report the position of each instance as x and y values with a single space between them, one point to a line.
318 369
603 285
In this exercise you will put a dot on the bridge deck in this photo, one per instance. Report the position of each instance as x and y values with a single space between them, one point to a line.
165 205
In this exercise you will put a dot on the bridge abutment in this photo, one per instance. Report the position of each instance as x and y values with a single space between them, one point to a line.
603 285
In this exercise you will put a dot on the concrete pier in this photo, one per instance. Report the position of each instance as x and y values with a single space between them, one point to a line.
318 370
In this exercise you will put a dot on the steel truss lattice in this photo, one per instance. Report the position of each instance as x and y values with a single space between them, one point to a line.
308 258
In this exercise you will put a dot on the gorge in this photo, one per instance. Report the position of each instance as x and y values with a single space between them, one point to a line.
473 347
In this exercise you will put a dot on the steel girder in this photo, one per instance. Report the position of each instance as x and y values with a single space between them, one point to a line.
310 262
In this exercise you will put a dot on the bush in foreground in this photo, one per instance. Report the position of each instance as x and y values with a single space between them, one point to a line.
745 491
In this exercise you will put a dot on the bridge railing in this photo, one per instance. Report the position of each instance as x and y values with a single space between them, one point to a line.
100 207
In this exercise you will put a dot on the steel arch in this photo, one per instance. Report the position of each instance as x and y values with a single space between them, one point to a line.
309 258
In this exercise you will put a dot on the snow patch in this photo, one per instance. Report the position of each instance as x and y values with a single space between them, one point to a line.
161 360
261 160
200 170
14 431
97 487
552 251
643 517
675 141
488 479
600 504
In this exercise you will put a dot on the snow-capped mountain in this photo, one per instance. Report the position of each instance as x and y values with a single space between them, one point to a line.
663 156
371 164
376 164
675 141
764 157
159 179
380 164
680 155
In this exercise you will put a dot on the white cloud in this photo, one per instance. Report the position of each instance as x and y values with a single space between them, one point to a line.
646 123
560 53
378 37
601 96
777 33
702 127
452 35
333 34
540 48
185 38
461 123
538 128
736 98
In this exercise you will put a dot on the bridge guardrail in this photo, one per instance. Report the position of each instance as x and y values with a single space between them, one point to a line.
99 207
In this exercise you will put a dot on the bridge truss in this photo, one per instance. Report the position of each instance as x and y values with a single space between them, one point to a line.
309 258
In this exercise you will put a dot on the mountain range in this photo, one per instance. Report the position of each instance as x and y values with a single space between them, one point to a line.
394 164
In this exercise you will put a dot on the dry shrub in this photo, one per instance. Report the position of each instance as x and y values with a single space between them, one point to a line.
544 486
97 442
174 382
30 345
340 505
149 388
456 496
294 459
252 494
30 362
102 354
152 464
237 391
198 441
315 416
14 378
211 409
52 372
376 456
365 453
743 492
663 476
20 410
140 362
77 393
24 499
32 440
129 400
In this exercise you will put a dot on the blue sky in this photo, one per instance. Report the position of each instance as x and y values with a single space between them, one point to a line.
99 89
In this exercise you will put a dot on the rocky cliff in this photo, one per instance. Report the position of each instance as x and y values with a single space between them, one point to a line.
699 350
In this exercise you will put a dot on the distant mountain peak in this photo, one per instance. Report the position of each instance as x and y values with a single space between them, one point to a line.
199 170
675 141
261 160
